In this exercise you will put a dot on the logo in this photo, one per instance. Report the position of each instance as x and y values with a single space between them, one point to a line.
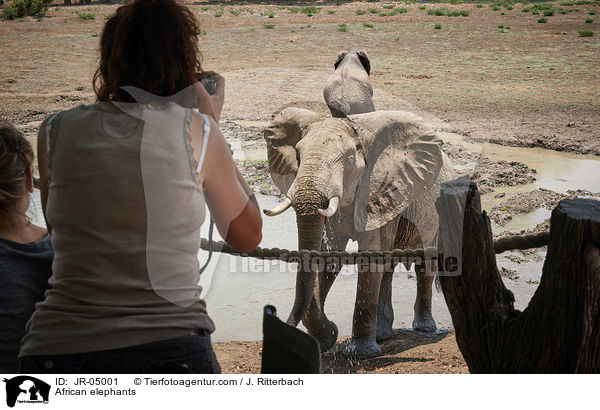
26 389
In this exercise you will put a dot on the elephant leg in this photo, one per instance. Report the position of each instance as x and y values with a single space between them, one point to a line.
363 343
385 312
409 236
423 320
315 320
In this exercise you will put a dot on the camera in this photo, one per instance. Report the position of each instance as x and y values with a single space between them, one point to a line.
210 84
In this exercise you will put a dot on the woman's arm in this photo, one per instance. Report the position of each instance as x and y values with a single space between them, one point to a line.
230 199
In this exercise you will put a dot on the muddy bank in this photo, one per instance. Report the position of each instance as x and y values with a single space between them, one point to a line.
486 173
526 202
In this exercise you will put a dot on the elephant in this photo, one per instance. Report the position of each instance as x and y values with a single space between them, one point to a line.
348 89
370 177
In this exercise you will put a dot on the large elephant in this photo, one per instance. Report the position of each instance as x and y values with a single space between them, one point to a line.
370 177
348 89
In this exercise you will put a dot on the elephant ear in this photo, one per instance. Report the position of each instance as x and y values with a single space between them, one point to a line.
364 60
403 160
339 59
282 135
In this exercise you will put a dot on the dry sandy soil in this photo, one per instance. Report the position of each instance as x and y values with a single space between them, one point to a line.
531 85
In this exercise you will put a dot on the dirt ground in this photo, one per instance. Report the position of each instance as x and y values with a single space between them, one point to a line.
408 352
531 85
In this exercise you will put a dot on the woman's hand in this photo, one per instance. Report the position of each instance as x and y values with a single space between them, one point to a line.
207 103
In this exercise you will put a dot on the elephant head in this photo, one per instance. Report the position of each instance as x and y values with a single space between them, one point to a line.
348 90
369 166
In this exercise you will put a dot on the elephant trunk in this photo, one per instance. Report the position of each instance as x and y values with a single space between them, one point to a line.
310 235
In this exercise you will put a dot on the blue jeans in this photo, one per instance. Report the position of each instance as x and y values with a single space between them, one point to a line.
190 354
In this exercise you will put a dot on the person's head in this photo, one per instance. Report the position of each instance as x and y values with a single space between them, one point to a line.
16 179
151 45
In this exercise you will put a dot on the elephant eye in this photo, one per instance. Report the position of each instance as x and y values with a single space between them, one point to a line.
298 157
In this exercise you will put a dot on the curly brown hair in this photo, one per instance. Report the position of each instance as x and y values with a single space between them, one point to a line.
151 45
16 155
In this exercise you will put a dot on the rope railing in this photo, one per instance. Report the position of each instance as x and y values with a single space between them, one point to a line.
504 244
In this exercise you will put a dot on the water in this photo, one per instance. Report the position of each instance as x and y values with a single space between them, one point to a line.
236 289
556 171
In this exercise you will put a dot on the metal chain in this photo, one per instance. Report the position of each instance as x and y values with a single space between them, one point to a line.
500 245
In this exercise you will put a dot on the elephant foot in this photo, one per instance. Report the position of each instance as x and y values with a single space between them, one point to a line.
328 338
384 333
424 323
358 349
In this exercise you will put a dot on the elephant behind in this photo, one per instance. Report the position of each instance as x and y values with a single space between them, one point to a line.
348 89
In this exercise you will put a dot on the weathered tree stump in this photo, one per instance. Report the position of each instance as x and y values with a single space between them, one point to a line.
559 331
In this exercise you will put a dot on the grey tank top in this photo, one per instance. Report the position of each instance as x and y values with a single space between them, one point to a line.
125 206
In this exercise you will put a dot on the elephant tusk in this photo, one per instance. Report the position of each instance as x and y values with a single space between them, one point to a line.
333 205
282 207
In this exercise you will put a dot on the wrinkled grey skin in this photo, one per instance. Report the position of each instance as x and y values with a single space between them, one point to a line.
387 168
348 90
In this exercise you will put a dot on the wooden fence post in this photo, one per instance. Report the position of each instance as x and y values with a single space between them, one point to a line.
559 332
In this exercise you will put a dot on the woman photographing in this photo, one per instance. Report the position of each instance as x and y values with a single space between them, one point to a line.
123 187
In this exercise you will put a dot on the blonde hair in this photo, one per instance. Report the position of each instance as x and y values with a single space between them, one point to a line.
16 155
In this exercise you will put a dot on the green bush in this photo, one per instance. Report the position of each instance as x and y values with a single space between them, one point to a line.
360 12
591 12
342 27
86 16
500 25
447 12
542 20
330 11
22 8
422 7
437 26
268 26
586 33
589 20
310 10
577 3
368 25
479 6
